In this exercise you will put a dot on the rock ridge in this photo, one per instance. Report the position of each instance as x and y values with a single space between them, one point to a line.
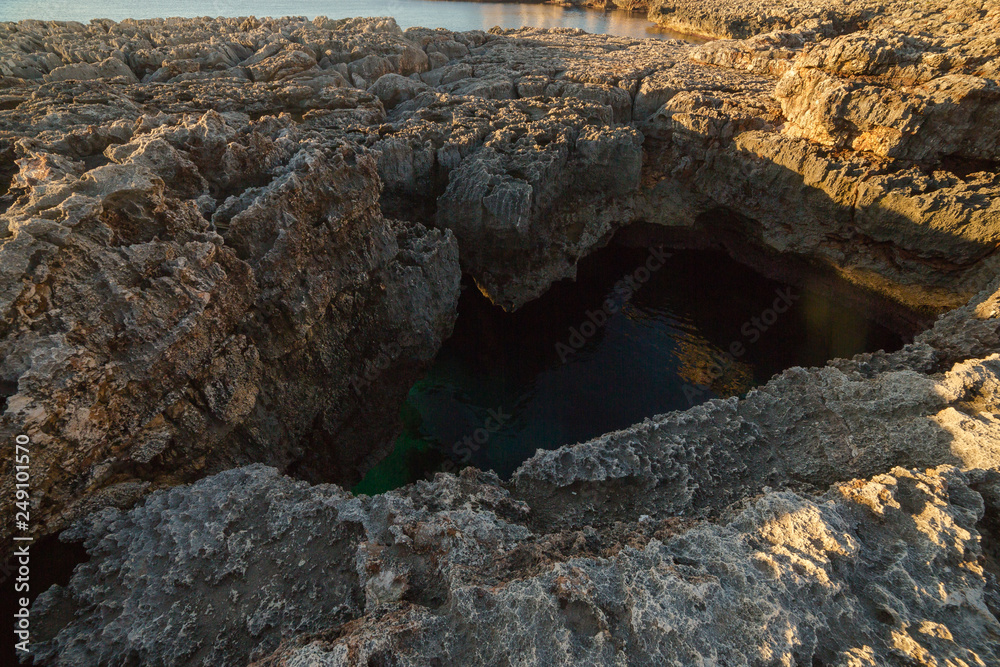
445 572
229 246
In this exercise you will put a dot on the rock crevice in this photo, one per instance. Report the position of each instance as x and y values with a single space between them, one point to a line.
228 247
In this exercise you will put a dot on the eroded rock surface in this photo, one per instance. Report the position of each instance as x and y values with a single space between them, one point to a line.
899 103
867 146
448 573
601 552
535 193
935 401
184 291
237 240
734 125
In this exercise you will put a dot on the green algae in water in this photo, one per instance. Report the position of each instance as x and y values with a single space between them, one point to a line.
412 457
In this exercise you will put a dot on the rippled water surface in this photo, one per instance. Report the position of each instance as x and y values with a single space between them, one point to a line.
408 13
701 326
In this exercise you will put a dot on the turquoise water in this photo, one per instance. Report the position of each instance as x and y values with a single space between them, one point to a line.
700 326
408 13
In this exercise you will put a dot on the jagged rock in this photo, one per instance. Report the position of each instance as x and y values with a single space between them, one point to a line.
447 572
320 52
342 554
921 406
910 80
770 53
718 136
881 225
451 570
109 68
717 121
393 89
738 20
954 115
211 296
196 273
528 186
281 65
535 199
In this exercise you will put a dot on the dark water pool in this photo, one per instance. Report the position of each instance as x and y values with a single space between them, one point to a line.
595 355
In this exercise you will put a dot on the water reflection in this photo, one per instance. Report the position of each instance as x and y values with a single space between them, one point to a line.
702 326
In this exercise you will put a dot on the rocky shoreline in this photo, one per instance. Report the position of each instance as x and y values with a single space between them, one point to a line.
229 246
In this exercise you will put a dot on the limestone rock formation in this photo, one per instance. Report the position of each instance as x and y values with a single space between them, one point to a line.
238 241
915 224
187 292
898 103
701 520
880 168
740 21
935 401
528 186
448 572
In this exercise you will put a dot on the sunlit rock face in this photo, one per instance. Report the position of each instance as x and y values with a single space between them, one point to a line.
239 241
453 571
597 551
188 290
534 146
933 401
898 104
745 125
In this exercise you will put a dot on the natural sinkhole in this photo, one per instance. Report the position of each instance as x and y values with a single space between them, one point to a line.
640 332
